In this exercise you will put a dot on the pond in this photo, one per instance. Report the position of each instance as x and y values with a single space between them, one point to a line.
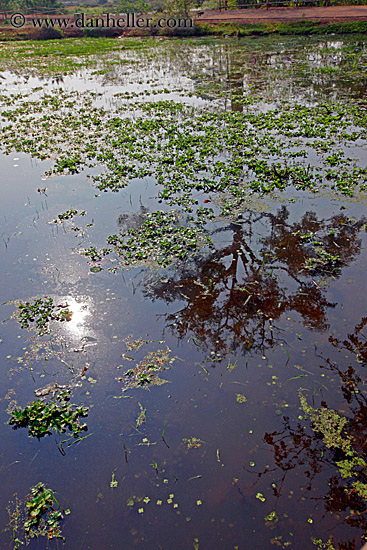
183 338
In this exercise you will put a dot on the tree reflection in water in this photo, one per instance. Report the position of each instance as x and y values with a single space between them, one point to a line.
297 447
234 301
234 298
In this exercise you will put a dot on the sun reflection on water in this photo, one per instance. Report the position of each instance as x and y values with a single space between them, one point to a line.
81 309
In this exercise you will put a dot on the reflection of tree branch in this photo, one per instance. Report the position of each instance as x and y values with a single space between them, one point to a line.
292 447
236 305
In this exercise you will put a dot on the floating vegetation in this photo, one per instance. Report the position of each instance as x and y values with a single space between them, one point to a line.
240 398
137 500
52 389
333 428
328 545
323 262
134 345
271 519
189 150
61 57
41 312
209 134
68 215
159 241
59 415
192 443
39 516
145 373
142 416
113 483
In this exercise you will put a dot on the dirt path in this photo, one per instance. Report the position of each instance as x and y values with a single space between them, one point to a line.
273 15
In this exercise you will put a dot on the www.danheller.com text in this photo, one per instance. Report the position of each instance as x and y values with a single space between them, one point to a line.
81 21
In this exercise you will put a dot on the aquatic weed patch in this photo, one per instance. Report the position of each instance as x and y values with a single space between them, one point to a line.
63 56
42 417
68 215
252 295
160 240
39 314
334 429
146 372
190 151
187 150
39 516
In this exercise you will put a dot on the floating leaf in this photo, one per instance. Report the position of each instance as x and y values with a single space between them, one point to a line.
240 398
113 482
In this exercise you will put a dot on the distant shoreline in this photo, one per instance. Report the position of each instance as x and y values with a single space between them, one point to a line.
246 22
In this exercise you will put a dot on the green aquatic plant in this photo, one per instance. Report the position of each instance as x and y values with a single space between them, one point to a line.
328 545
192 443
42 417
159 240
323 261
94 254
68 215
334 429
240 398
39 516
69 165
41 312
141 419
113 483
330 424
58 57
145 373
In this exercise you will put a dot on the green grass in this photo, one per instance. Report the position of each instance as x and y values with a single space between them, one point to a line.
293 28
63 55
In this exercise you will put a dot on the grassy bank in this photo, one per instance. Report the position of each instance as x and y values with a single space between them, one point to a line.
289 28
295 28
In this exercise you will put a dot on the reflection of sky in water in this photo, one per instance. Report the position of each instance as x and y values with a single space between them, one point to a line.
39 261
283 66
81 311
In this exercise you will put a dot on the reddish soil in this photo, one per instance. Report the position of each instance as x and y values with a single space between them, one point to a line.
274 15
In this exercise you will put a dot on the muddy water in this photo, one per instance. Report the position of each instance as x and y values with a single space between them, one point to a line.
225 458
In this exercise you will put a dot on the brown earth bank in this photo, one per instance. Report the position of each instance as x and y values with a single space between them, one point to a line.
240 22
330 14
